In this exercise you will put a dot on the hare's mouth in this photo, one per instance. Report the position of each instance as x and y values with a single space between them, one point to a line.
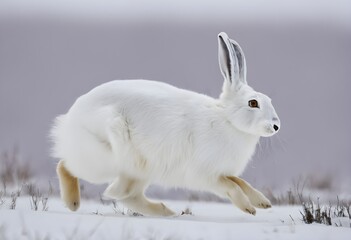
270 130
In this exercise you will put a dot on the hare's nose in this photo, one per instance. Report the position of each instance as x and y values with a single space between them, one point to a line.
275 127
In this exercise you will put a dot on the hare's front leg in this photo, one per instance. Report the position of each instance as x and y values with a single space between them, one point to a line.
130 191
227 188
255 196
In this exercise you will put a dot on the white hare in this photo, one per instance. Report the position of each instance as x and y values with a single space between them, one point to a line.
134 133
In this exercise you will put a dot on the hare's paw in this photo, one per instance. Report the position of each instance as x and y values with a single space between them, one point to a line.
141 204
154 209
73 205
255 197
248 208
259 200
243 202
69 186
161 210
251 210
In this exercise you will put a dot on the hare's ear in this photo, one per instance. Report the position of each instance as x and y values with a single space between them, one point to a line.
241 61
231 60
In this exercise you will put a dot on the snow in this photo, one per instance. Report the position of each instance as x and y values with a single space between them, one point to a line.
209 221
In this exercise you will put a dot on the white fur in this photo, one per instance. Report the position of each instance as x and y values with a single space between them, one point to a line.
153 132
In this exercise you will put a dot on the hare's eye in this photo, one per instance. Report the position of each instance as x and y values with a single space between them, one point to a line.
253 104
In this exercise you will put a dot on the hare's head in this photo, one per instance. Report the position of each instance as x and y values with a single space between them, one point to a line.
247 110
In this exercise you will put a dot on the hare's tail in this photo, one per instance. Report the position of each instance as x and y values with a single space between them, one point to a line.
69 186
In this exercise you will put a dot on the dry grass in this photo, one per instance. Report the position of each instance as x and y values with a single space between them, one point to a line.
293 196
315 213
13 170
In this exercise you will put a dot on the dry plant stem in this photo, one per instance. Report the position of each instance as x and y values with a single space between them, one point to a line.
13 170
2 201
314 213
13 201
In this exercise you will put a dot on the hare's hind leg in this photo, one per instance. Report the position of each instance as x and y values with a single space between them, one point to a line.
69 186
139 203
122 187
256 197
130 192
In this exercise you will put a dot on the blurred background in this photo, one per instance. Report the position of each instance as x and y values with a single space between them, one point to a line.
298 52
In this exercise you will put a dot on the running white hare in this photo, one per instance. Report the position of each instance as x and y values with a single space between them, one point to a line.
134 133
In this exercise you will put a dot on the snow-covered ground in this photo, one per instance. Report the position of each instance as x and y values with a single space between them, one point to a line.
208 221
